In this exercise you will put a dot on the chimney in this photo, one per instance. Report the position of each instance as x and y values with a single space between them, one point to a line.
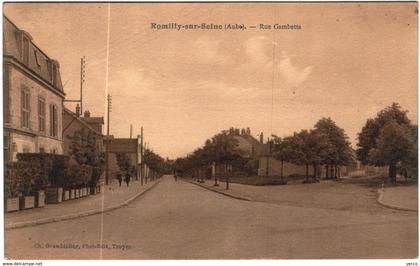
77 110
262 138
86 114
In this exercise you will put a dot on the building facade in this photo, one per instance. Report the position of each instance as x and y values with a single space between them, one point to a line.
73 123
32 96
128 146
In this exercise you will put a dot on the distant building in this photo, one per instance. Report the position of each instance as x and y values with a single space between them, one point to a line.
130 147
95 122
247 145
72 123
32 96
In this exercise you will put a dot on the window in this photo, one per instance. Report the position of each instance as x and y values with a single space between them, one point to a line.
37 59
41 114
54 74
25 50
53 120
41 150
25 108
6 151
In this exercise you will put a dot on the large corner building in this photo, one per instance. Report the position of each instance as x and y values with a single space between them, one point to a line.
32 96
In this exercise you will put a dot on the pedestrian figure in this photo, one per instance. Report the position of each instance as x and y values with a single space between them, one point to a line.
176 177
119 177
127 179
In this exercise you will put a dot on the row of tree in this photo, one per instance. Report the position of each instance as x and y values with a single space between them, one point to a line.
156 163
220 149
389 139
325 144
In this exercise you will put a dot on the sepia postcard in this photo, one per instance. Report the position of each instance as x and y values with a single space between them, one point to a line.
210 130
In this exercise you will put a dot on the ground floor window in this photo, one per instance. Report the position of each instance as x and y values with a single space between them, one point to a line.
6 149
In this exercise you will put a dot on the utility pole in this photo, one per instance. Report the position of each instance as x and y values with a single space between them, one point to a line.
131 131
109 102
148 169
142 157
82 80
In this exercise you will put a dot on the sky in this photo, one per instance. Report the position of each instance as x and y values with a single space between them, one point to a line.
348 61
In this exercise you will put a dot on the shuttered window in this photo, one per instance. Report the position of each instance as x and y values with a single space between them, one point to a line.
53 120
25 108
41 114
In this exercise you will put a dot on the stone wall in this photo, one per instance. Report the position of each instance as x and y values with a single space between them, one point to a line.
273 168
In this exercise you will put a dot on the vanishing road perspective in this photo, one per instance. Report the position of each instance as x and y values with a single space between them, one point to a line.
181 220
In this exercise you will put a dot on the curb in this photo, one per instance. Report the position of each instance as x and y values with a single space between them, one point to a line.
77 215
380 202
220 192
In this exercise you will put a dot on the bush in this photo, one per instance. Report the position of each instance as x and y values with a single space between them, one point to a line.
28 175
53 166
77 175
86 175
57 176
12 182
96 175
72 174
251 167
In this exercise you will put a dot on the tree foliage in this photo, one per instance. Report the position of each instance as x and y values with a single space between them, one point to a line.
388 139
222 148
325 144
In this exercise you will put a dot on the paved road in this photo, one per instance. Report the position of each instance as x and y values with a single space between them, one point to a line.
178 220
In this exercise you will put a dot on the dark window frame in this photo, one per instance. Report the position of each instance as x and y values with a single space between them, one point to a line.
41 115
25 107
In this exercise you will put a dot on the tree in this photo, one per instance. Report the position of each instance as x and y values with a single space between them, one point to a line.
334 147
282 150
155 162
393 144
84 151
223 150
220 149
390 124
303 149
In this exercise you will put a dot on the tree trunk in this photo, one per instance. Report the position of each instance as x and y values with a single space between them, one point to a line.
281 170
314 165
215 176
307 172
393 173
227 182
335 171
327 174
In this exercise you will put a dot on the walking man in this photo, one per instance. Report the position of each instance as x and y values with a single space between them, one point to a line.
119 177
127 179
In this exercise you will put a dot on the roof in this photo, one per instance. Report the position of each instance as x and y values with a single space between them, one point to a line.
76 118
123 145
93 120
38 62
265 150
253 141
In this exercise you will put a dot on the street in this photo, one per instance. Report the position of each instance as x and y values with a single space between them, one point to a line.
179 220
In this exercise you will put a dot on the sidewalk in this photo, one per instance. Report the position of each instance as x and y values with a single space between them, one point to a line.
343 195
114 197
399 197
